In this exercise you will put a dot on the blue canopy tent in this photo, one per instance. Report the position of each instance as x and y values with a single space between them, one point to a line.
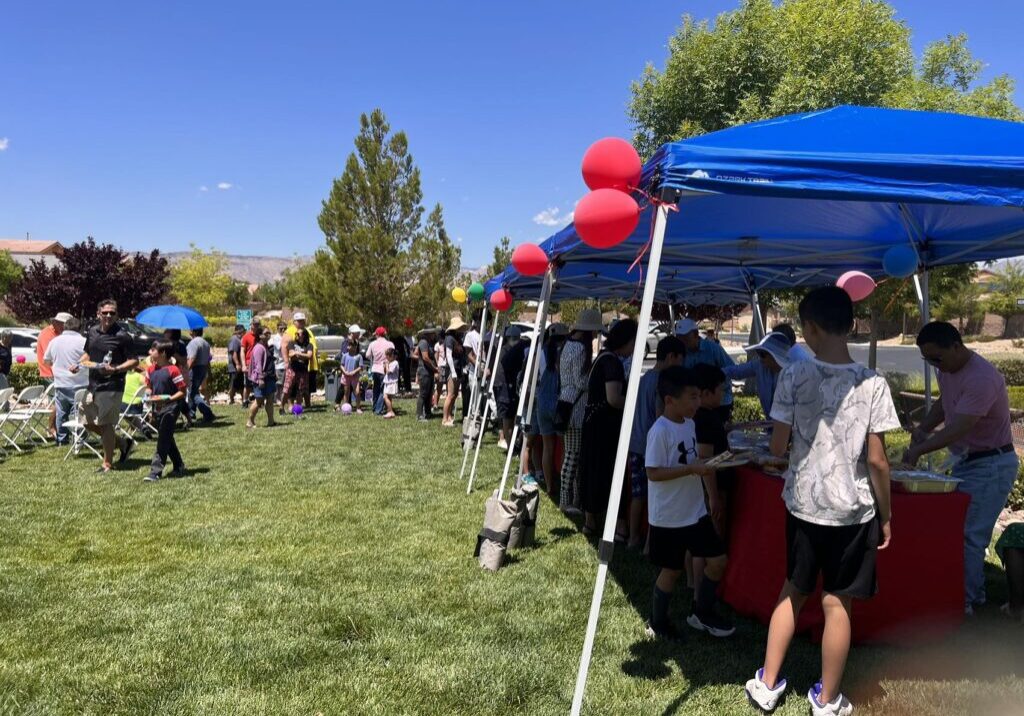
831 190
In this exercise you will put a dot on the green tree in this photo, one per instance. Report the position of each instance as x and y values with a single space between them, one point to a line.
237 295
501 258
1007 287
763 60
959 303
201 281
434 256
380 261
10 272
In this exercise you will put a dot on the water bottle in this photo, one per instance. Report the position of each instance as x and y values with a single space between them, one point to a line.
108 358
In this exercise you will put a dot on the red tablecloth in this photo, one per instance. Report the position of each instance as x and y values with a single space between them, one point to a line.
920 575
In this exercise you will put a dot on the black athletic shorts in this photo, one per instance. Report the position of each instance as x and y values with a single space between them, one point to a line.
844 555
669 545
236 381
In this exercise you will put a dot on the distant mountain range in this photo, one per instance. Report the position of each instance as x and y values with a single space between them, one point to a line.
264 269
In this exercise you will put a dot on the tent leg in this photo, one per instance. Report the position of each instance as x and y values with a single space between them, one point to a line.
490 392
535 376
474 393
926 317
531 362
759 328
607 545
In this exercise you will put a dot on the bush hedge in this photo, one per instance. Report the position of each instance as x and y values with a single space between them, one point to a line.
1012 370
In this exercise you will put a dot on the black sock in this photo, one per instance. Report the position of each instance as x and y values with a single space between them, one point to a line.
659 611
706 595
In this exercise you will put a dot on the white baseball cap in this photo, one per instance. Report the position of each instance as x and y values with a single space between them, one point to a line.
63 317
300 316
354 328
685 326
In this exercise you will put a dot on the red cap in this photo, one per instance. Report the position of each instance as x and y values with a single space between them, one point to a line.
381 330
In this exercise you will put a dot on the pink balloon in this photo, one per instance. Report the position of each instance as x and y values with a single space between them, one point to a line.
857 284
19 359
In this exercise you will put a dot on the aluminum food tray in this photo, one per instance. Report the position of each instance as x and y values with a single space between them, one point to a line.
920 481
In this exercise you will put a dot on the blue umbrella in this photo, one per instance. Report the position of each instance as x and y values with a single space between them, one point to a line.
180 317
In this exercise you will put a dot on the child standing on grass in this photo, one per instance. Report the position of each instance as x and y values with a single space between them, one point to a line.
351 371
670 352
390 382
678 516
166 391
712 437
836 495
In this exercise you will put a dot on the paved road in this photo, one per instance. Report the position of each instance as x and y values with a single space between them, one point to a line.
896 359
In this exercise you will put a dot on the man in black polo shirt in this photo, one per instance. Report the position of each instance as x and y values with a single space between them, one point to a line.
109 347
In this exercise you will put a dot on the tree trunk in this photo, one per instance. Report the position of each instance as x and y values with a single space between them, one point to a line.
873 345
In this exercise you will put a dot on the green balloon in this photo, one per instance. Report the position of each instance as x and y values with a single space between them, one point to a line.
476 292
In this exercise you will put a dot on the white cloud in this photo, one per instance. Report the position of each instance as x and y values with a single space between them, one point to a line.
204 188
224 186
553 217
4 141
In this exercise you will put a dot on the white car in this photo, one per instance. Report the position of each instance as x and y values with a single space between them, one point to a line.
23 343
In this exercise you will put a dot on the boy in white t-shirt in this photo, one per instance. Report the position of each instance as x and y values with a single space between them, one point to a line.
836 494
678 517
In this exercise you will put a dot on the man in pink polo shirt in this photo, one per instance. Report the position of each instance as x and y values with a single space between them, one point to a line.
376 353
974 414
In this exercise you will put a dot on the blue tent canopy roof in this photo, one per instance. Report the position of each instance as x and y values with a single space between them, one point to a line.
798 200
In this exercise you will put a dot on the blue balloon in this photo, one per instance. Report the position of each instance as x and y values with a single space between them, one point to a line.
900 261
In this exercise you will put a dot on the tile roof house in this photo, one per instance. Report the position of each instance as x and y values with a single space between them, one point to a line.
25 251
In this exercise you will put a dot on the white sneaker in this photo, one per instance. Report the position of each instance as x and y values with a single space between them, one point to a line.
761 696
839 706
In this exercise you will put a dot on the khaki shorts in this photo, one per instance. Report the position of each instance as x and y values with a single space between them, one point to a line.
103 407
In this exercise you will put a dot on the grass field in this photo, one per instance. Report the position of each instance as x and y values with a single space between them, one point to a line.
324 566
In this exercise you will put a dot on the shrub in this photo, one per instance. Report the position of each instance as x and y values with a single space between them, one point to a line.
1012 370
746 408
1016 499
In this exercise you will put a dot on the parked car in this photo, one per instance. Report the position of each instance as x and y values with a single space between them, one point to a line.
329 337
23 343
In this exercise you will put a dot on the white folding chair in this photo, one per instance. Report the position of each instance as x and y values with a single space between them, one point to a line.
41 410
76 426
5 398
131 424
20 414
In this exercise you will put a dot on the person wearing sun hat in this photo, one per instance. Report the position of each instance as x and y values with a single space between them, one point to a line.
377 354
765 360
454 362
701 350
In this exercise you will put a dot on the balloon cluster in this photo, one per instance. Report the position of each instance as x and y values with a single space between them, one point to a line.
898 262
609 214
475 293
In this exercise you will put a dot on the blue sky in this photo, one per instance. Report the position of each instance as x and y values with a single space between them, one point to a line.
153 125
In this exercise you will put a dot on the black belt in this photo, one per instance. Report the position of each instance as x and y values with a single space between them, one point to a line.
988 453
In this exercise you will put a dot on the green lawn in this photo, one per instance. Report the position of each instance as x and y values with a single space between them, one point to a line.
325 566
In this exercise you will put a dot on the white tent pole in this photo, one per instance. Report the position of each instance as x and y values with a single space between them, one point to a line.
490 392
531 360
607 546
926 317
758 318
535 376
474 395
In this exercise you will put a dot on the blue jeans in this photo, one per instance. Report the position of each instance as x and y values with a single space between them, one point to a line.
988 481
378 393
196 401
64 399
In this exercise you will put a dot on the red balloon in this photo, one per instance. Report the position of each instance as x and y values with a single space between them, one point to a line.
611 163
501 300
606 217
529 260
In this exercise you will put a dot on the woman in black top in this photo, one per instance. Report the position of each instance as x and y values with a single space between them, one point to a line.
6 357
296 380
606 397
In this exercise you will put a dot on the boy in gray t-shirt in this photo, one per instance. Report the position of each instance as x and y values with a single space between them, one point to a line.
836 494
